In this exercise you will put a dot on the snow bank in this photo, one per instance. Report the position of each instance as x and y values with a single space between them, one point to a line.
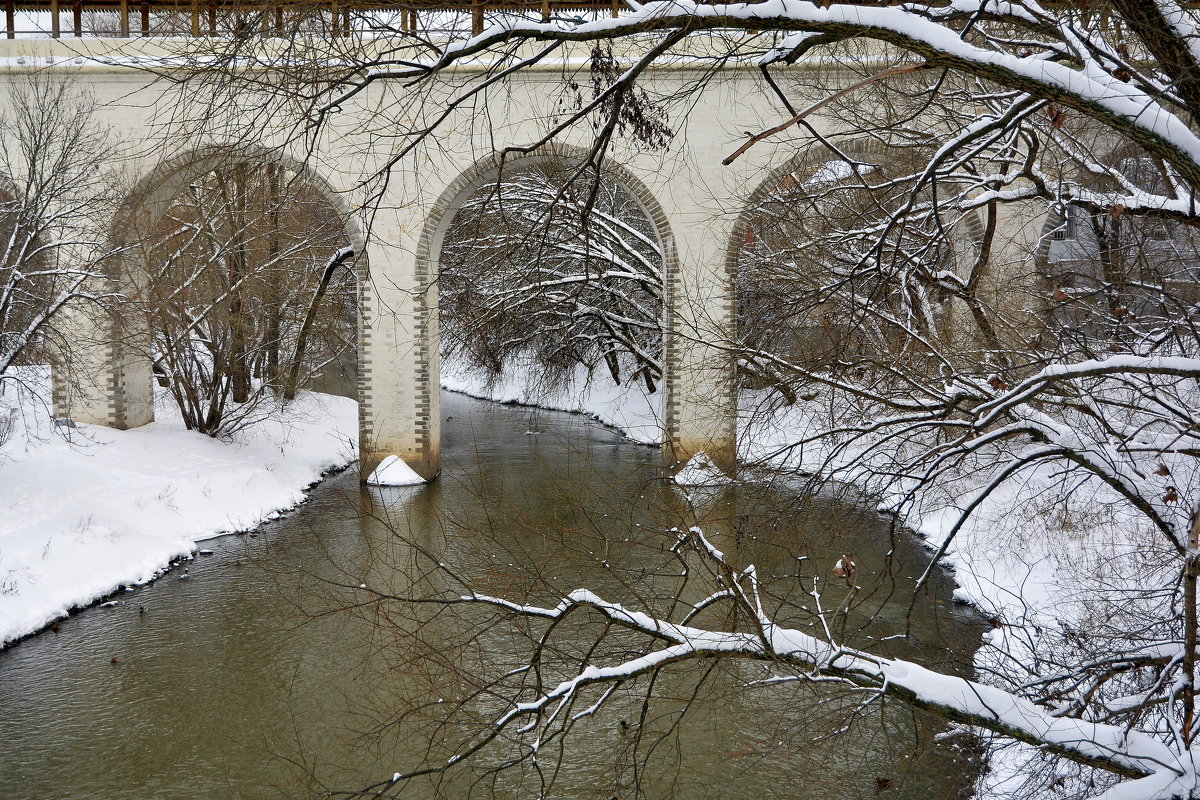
392 471
1024 558
114 507
627 408
1013 557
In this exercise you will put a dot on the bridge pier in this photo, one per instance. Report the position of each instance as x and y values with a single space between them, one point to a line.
101 382
399 377
699 380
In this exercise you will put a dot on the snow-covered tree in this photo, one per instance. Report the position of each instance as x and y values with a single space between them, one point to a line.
1072 379
554 271
53 245
245 290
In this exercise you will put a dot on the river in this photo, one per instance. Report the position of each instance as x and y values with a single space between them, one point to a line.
263 674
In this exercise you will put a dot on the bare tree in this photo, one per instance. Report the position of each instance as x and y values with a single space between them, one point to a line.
53 246
245 289
554 272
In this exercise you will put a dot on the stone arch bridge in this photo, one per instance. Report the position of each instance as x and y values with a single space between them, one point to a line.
693 200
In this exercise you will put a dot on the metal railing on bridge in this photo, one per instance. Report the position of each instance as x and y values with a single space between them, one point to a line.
172 18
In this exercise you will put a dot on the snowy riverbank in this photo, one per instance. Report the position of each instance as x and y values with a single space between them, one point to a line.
109 507
1016 557
1036 556
626 408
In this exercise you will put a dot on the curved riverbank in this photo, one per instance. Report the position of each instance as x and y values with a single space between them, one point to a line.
104 508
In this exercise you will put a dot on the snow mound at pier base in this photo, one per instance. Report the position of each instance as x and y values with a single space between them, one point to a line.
701 471
392 471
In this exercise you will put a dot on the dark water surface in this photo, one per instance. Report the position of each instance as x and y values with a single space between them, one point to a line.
244 680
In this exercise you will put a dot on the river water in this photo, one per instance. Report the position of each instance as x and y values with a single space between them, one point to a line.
267 672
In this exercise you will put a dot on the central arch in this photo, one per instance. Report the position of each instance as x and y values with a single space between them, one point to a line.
421 449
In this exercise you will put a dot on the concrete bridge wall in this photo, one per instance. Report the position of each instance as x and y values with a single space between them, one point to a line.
694 201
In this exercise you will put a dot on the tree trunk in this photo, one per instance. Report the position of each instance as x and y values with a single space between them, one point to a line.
274 310
239 368
1191 572
293 380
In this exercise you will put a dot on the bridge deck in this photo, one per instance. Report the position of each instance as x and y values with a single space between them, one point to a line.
174 18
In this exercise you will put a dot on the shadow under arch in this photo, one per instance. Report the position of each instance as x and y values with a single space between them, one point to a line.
126 380
489 170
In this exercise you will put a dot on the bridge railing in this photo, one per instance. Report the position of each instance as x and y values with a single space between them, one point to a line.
166 18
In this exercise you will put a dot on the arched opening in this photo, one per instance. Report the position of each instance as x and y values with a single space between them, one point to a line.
1116 277
238 267
551 275
835 274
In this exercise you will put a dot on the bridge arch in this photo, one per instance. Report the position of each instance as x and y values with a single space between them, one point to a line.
154 190
871 152
381 434
488 170
816 169
119 393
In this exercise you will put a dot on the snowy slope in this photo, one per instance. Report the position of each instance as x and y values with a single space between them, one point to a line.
627 408
79 518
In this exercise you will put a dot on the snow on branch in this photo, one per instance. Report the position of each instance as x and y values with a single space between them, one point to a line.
919 29
1110 747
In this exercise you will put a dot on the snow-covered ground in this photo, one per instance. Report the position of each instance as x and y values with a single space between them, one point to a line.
627 408
79 518
1017 552
1034 556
